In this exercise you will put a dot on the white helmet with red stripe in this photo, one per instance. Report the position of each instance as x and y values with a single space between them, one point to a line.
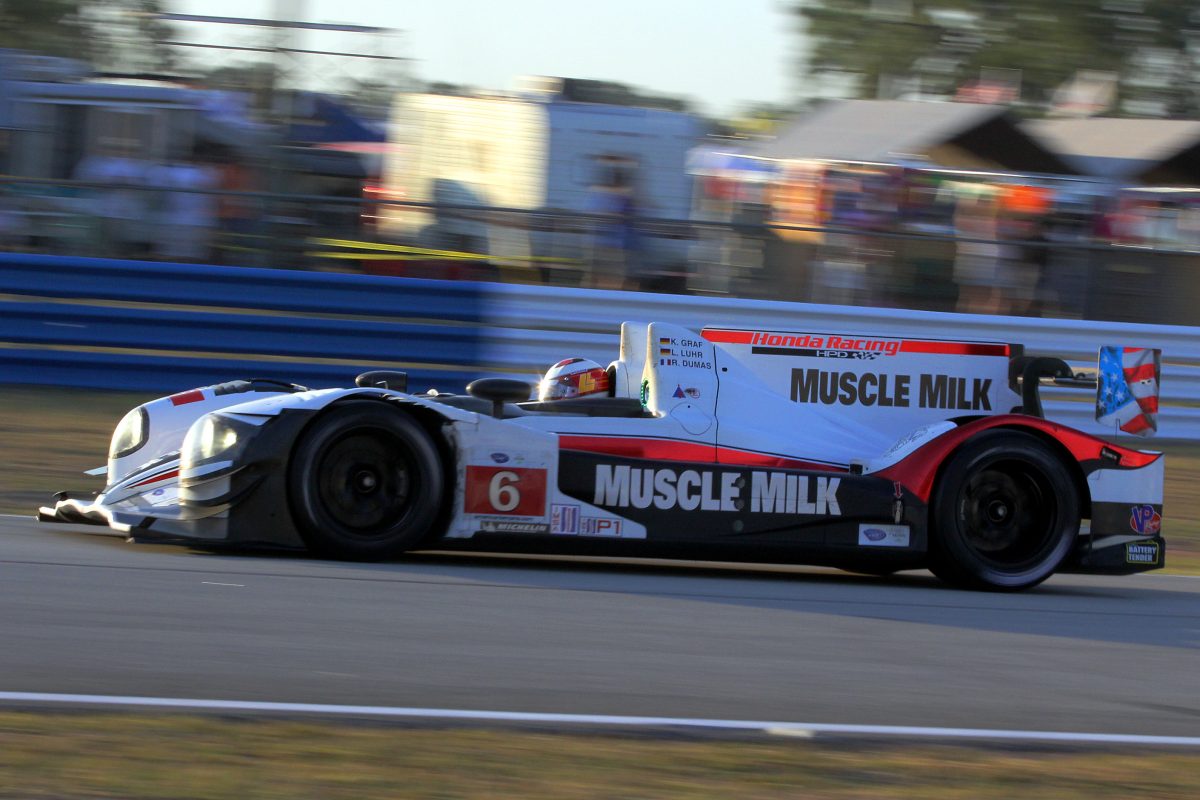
573 377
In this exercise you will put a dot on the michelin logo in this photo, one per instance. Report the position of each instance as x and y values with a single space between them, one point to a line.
704 490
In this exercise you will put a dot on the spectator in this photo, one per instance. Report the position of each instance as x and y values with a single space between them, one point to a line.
235 212
188 210
976 266
615 239
1024 271
119 201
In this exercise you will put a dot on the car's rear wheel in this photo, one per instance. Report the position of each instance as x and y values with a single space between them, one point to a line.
1005 513
365 483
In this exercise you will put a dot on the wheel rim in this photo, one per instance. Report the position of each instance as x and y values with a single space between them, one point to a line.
1008 515
365 482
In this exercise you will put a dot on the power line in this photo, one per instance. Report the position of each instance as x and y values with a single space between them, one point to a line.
281 50
273 23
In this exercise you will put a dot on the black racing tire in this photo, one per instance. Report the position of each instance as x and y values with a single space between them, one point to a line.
1004 513
365 483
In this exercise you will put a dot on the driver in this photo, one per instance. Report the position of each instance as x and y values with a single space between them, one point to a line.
573 377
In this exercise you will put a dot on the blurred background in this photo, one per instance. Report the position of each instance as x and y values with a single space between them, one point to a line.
1011 158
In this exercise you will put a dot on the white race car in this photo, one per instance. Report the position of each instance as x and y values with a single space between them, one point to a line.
873 454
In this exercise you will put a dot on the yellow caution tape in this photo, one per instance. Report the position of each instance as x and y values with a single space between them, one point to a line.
426 252
393 248
384 256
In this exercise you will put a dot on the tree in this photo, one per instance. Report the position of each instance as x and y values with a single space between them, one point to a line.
111 35
942 45
50 27
128 37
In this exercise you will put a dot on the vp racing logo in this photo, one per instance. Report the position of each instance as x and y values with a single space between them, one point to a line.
1145 520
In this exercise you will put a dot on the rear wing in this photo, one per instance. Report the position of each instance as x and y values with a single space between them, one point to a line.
1126 381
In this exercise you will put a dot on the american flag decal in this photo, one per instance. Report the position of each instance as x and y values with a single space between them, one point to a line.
1127 394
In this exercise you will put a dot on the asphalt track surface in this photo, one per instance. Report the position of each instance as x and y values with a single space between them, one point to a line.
86 613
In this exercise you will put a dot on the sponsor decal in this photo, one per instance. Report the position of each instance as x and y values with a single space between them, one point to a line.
564 519
692 392
163 497
516 491
775 343
512 526
874 535
1141 553
881 389
500 458
835 346
600 526
621 486
678 392
1145 520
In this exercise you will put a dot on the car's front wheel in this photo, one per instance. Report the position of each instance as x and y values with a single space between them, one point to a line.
365 482
1005 513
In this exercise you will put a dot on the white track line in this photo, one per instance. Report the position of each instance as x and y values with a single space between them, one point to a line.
779 728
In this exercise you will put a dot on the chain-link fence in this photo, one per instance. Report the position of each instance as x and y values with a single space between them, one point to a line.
1054 271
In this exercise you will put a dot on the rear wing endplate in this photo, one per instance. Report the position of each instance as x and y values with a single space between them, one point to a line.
1126 381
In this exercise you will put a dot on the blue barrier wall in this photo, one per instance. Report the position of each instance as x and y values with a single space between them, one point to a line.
110 324
156 327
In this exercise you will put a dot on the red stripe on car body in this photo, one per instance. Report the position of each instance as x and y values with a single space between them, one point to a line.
918 470
162 476
954 348
676 450
183 398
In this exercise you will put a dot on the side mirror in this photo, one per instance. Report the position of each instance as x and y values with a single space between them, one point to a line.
499 391
383 379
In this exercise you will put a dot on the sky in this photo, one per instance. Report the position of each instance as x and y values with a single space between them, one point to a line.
722 54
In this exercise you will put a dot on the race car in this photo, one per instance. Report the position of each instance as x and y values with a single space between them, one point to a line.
872 454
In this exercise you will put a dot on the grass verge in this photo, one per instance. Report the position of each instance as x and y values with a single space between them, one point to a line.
69 755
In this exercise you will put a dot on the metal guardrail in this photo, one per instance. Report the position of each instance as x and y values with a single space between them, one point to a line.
108 324
556 322
59 325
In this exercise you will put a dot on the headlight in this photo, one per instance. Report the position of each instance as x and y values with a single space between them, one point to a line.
131 433
215 436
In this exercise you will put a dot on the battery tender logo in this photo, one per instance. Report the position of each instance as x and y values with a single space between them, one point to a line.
1141 553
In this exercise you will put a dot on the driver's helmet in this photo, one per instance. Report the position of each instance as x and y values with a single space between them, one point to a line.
573 377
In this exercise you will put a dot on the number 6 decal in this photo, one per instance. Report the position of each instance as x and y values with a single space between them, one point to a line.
503 495
509 491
